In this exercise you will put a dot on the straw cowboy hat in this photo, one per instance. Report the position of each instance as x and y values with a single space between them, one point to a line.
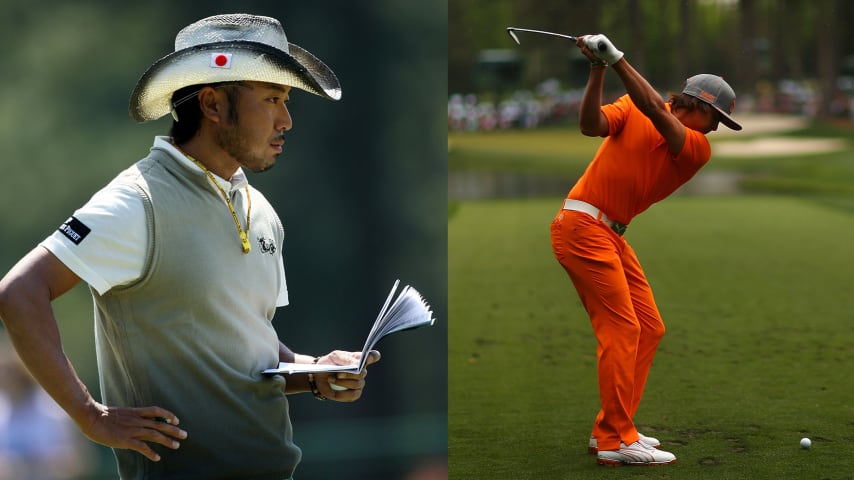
226 48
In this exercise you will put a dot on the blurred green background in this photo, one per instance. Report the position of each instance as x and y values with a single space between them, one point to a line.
361 189
792 56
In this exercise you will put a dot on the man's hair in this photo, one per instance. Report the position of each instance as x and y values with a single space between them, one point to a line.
189 112
683 100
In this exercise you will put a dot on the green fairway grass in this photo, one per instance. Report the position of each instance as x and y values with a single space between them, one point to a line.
756 293
552 150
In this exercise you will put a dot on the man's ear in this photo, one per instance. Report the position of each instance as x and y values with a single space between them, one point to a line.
213 104
673 106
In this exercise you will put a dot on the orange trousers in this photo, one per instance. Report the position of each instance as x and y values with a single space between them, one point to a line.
628 328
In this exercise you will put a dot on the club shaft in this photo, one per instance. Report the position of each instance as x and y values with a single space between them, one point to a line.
510 30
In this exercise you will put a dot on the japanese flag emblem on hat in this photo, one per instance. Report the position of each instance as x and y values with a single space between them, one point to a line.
229 48
220 60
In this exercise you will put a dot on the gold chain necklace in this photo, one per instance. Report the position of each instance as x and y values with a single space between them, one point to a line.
244 234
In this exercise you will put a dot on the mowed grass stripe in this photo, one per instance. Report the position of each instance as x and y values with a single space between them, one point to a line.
756 295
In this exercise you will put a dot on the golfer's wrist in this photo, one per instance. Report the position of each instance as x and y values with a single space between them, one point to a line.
312 385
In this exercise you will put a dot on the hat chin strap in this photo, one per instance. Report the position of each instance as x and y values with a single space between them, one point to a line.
174 105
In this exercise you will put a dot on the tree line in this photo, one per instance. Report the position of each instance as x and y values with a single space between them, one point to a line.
752 43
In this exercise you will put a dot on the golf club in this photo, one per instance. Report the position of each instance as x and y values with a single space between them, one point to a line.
512 32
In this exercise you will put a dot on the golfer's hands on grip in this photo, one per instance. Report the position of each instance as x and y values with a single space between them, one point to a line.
134 428
353 383
600 47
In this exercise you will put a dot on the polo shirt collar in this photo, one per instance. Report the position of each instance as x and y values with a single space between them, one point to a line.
238 180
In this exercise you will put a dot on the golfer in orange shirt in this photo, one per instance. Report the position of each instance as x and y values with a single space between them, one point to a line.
651 148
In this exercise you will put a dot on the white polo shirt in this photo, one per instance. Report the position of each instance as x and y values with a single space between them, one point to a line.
116 239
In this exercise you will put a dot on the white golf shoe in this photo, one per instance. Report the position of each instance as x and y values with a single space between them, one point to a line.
653 442
636 454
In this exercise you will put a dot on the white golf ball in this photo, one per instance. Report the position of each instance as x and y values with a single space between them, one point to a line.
806 443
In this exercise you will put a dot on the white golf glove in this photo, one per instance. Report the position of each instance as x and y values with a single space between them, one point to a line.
602 47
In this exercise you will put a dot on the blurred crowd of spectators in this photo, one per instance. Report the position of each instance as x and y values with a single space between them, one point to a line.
548 103
38 440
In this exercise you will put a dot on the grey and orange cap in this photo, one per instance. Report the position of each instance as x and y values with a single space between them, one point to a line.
713 90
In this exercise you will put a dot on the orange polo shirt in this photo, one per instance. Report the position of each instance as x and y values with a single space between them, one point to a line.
633 167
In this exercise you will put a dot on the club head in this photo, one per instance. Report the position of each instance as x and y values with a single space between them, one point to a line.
513 35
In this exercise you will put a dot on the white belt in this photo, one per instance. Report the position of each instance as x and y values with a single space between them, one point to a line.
579 206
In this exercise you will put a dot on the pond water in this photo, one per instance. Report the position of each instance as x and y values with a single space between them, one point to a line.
482 185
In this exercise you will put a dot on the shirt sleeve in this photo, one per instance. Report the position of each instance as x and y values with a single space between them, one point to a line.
105 241
695 152
617 113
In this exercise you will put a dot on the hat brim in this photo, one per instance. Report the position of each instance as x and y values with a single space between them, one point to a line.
250 61
725 118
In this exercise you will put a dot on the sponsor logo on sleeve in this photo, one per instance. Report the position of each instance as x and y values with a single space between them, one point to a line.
75 230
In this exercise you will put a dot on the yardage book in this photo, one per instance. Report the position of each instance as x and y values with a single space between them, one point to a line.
409 310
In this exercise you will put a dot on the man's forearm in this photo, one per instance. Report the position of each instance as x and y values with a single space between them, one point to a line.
650 103
288 356
26 293
590 115
34 333
644 96
296 383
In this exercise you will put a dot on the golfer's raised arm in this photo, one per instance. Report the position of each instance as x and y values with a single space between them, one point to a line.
644 96
592 121
650 103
